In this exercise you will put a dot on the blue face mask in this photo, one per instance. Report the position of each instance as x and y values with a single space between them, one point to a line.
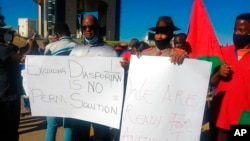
92 40
240 41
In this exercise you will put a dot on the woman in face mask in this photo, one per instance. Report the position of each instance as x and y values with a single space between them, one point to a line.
232 95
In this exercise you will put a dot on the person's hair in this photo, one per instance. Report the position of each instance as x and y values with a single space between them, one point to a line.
244 16
140 46
61 28
182 36
133 41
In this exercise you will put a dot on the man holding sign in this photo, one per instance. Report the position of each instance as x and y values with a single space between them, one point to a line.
158 105
92 46
163 35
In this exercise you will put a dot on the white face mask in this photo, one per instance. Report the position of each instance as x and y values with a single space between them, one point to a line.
7 37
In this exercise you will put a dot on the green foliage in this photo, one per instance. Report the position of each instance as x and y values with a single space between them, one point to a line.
112 43
79 41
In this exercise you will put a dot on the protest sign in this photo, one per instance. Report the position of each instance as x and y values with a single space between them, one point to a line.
19 41
87 88
164 102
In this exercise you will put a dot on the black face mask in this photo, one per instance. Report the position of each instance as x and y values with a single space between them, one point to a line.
241 41
162 44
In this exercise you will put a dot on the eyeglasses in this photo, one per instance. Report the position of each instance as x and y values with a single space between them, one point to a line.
90 27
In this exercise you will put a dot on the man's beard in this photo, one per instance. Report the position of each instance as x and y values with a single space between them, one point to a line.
162 44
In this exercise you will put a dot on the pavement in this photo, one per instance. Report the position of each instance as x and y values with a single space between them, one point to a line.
33 128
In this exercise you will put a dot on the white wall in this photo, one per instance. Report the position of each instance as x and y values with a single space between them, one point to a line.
27 27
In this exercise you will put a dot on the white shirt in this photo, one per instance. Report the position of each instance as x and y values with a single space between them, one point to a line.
102 50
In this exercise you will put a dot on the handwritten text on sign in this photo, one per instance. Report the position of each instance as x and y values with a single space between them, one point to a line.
164 102
87 88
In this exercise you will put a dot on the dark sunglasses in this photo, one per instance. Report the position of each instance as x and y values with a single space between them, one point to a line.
90 27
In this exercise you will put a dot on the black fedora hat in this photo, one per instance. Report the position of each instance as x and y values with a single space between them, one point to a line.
164 23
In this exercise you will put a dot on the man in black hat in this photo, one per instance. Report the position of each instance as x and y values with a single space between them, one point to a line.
164 32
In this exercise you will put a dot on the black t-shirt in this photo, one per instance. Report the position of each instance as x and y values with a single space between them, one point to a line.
10 78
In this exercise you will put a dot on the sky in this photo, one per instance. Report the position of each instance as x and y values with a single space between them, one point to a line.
139 15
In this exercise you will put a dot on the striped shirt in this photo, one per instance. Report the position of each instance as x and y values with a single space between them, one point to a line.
61 47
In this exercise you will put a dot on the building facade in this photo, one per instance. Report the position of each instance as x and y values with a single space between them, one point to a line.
71 12
26 27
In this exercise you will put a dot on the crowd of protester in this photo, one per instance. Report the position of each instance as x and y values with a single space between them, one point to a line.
231 95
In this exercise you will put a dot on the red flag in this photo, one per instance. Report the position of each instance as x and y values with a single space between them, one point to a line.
201 34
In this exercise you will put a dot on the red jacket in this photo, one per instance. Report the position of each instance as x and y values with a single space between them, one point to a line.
233 96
